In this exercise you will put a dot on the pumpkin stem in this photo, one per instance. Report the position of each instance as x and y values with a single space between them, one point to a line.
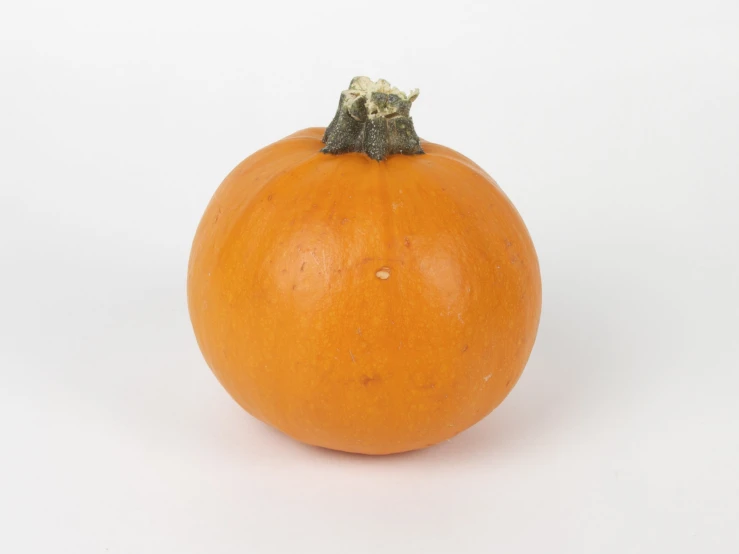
373 118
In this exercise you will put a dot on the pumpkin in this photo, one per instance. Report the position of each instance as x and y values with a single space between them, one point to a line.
361 289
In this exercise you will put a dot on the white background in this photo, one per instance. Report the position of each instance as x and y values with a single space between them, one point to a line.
614 128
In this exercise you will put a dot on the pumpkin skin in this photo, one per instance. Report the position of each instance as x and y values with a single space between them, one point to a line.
363 306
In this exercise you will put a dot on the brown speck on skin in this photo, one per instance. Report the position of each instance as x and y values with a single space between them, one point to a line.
508 243
407 242
465 348
269 198
295 286
366 380
302 266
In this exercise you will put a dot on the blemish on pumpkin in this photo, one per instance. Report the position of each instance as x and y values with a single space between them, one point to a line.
407 242
269 198
383 273
366 380
344 221
302 266
295 286
508 243
352 357
508 383
465 348
487 377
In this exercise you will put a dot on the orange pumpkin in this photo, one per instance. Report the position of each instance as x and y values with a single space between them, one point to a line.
363 290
